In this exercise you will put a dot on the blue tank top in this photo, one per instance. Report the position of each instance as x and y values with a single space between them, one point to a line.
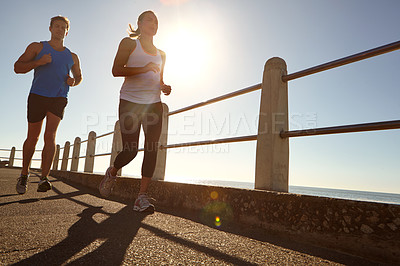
50 80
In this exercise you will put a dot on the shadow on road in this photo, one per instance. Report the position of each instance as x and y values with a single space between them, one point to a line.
107 242
100 243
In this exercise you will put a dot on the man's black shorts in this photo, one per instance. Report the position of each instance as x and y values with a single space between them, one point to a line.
39 105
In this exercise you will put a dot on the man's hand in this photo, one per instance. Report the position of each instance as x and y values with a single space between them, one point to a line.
166 89
45 59
70 81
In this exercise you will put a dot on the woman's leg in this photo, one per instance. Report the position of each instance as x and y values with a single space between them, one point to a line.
152 124
129 119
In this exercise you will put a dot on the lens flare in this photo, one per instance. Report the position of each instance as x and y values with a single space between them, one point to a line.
217 221
214 195
215 211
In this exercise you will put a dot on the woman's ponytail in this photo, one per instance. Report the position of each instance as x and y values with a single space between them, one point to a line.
132 32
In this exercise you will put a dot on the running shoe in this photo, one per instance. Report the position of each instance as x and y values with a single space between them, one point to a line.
142 204
44 185
22 184
107 184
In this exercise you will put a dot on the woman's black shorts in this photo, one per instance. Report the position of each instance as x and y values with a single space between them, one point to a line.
38 106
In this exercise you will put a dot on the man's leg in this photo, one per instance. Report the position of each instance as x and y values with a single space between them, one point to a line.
52 122
28 151
35 114
30 145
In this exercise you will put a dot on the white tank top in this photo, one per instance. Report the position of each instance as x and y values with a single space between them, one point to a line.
142 88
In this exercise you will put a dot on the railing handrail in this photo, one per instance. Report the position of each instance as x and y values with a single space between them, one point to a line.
217 99
208 142
105 134
344 61
97 137
386 125
34 159
17 150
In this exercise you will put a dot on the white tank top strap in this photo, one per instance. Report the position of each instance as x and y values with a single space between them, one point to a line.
140 47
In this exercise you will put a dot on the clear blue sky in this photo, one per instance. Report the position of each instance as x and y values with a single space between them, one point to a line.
216 47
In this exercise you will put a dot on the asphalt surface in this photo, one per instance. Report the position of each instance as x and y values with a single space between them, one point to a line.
73 225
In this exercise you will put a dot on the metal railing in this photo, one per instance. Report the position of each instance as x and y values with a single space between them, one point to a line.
344 61
218 99
272 158
395 124
12 157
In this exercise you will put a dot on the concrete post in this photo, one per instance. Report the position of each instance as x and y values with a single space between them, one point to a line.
56 158
75 154
272 156
159 172
12 156
90 152
64 161
116 145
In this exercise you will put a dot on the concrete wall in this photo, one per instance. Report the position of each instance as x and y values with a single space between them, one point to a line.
369 230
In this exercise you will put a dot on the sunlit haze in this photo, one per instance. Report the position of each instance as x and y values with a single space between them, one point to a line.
187 53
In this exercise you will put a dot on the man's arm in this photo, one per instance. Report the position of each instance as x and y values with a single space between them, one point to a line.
26 62
76 72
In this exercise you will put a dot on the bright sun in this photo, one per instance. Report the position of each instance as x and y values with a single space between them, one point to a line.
186 53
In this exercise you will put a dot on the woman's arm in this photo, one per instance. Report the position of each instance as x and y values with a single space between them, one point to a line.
166 89
120 69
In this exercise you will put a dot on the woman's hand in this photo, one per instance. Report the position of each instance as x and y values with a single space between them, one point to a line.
152 67
166 89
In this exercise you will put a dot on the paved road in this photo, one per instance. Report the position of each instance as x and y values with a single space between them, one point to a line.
74 225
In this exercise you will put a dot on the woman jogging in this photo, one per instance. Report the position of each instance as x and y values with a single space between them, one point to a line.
142 65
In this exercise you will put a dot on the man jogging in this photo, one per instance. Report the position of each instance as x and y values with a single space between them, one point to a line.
52 63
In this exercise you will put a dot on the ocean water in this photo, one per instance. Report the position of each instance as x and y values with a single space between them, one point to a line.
313 191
